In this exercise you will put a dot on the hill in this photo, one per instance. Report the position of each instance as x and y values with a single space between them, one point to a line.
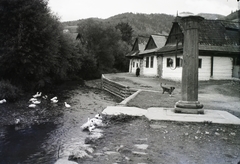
235 16
147 24
211 16
142 24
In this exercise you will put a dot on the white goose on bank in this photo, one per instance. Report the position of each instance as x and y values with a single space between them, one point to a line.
67 105
38 94
96 122
17 121
54 98
32 105
33 99
87 125
54 101
3 101
36 102
91 127
98 116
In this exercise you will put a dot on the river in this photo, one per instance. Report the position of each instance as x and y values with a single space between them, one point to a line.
51 131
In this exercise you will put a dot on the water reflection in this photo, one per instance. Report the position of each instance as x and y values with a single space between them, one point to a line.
17 143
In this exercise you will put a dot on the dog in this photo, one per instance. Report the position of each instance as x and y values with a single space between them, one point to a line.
169 90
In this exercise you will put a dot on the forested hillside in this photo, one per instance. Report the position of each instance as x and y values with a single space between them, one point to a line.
145 24
142 24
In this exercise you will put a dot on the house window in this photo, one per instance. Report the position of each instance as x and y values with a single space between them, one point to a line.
151 64
199 63
147 62
169 62
133 64
137 64
179 62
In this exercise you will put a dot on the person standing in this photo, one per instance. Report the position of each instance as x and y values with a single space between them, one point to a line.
137 71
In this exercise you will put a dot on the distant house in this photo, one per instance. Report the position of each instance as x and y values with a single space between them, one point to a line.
72 30
144 55
152 65
135 59
219 50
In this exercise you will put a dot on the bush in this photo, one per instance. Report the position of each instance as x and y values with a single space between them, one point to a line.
9 91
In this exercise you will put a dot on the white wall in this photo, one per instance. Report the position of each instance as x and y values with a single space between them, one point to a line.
204 72
133 67
150 71
175 73
222 68
172 73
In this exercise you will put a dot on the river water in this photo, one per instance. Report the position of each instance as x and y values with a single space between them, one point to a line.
56 135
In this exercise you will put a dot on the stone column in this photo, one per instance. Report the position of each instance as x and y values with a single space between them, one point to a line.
189 87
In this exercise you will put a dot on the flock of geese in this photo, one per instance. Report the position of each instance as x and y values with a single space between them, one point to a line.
93 123
90 125
35 100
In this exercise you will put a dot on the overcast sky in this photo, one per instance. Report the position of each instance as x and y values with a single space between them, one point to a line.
69 10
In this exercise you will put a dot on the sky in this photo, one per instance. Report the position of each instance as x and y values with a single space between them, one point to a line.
69 10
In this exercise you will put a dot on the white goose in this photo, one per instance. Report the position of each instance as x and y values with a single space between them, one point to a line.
33 99
54 98
3 101
86 125
98 116
96 122
54 101
38 94
32 105
17 121
67 105
36 102
90 128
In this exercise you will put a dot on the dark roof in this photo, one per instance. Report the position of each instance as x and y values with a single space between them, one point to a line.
138 47
159 41
214 35
218 33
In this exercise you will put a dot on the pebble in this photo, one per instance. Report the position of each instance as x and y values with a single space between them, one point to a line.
139 153
216 133
141 146
232 134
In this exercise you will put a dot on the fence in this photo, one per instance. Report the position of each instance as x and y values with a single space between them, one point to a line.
116 89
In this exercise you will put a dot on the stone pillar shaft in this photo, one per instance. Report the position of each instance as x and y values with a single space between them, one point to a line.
189 102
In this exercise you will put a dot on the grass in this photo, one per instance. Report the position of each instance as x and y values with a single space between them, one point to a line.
147 99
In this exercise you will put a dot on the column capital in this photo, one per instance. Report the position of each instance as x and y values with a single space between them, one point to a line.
191 22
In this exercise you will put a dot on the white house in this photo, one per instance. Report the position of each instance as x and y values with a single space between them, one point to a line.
219 51
144 55
136 60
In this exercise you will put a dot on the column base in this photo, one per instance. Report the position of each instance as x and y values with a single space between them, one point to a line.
189 107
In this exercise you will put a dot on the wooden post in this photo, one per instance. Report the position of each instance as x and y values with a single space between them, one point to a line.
189 102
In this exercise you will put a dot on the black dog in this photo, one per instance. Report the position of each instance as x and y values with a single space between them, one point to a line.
169 90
